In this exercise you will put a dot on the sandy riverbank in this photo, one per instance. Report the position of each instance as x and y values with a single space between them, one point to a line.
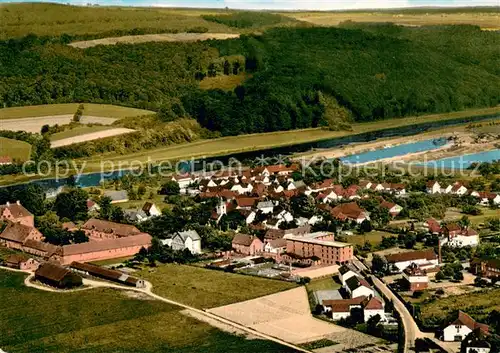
462 144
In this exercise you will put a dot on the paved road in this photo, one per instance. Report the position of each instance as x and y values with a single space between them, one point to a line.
148 291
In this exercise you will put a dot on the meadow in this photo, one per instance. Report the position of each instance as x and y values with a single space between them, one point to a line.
203 288
98 110
77 131
15 149
104 321
485 18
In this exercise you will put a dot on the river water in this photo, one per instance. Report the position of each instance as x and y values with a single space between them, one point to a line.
94 179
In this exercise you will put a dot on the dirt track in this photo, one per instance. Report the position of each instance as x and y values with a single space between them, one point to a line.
90 137
35 124
164 37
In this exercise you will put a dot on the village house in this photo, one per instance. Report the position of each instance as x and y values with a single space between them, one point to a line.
184 240
248 215
102 249
57 276
247 244
183 180
135 216
457 236
415 278
265 207
151 210
342 308
459 328
278 169
276 246
475 342
15 212
457 189
15 235
350 211
245 203
21 262
358 287
346 271
486 268
393 209
425 259
107 274
42 249
92 207
433 187
487 198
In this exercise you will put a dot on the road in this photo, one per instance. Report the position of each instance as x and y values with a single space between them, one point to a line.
148 291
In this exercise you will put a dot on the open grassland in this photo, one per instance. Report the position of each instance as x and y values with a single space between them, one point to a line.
476 304
42 19
484 19
486 213
90 109
164 37
17 150
252 142
224 82
104 320
203 288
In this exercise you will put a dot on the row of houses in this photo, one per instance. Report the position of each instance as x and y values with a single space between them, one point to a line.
453 234
459 189
295 246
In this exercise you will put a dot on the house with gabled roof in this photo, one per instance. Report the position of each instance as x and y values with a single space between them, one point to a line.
350 211
276 246
57 276
425 259
391 207
17 213
461 326
433 187
15 235
358 287
189 239
247 244
346 271
21 262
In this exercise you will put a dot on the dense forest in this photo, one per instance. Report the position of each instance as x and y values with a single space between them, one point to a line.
299 77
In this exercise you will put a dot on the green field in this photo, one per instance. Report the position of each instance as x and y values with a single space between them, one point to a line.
374 237
326 283
101 110
15 149
18 20
80 130
105 321
203 288
477 304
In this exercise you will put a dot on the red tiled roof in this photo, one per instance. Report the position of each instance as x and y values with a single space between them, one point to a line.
243 239
343 305
347 210
373 304
466 320
16 209
246 201
16 232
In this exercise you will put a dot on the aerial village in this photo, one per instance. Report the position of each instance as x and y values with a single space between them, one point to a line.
375 256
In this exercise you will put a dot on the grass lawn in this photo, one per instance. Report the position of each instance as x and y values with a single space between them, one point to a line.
101 110
105 321
456 214
109 262
326 283
81 130
15 149
374 237
476 304
203 288
226 83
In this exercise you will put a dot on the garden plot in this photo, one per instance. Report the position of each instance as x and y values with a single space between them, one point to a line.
34 124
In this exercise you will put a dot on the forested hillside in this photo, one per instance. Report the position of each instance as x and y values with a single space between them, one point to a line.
299 77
